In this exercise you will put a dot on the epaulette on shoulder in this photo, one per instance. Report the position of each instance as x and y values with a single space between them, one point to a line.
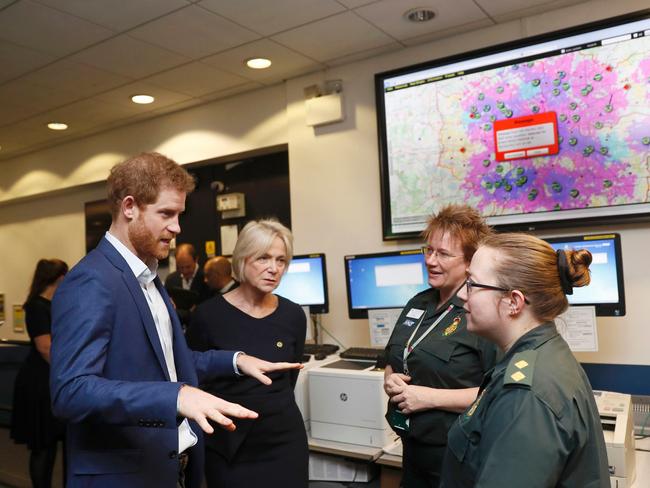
520 369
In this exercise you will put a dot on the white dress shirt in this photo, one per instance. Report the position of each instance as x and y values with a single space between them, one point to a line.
145 276
187 284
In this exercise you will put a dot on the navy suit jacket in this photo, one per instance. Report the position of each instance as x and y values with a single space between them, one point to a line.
110 383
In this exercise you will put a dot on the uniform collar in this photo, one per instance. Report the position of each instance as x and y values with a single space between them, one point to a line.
438 308
530 340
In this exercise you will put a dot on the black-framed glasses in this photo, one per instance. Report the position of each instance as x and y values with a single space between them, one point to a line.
469 284
440 255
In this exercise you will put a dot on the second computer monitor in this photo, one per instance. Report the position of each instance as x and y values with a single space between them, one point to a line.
606 290
305 282
383 280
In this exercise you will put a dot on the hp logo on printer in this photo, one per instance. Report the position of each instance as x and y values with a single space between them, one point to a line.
343 397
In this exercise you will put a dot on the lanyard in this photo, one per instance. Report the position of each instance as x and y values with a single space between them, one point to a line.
409 348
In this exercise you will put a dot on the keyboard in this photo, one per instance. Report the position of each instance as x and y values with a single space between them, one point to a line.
320 349
362 353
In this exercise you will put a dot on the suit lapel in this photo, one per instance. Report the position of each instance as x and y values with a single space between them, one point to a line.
178 342
140 301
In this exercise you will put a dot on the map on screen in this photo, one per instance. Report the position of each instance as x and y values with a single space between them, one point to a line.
440 130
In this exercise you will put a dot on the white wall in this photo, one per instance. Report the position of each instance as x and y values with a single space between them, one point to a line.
334 173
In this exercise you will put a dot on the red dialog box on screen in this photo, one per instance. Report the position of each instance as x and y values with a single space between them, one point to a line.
526 137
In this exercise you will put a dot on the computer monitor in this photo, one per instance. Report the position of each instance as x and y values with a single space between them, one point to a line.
383 280
305 282
606 291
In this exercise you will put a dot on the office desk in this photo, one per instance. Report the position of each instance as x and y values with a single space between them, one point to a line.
352 451
391 467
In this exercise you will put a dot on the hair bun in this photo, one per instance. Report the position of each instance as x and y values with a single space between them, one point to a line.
579 261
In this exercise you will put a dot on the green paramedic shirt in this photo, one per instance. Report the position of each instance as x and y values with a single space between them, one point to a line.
534 424
449 357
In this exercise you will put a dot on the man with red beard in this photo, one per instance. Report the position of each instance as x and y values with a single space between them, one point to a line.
122 375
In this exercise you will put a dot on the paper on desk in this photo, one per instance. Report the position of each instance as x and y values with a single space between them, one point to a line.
578 327
381 325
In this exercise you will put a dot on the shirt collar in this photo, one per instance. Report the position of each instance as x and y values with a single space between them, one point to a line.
227 287
142 272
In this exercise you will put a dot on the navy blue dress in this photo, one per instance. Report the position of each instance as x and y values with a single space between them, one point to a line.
271 450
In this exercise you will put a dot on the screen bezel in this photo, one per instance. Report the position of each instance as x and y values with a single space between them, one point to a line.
317 308
614 309
550 219
362 313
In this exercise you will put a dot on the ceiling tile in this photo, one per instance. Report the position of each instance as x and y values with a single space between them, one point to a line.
79 80
503 10
448 32
229 92
16 60
369 53
285 61
122 97
129 57
333 37
388 15
118 15
196 79
19 137
194 32
44 29
32 98
12 112
271 17
356 3
87 114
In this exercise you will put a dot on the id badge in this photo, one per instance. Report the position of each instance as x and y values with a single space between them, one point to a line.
398 420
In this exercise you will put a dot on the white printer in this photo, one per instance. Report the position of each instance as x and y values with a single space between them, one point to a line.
301 390
615 410
347 403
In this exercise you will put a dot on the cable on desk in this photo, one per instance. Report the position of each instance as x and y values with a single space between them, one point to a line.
332 336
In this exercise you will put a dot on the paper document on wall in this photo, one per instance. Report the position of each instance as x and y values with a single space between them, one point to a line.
578 327
381 325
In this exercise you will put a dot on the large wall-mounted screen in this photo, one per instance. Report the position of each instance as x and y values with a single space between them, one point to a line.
533 133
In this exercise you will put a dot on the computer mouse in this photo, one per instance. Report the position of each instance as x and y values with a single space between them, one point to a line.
319 356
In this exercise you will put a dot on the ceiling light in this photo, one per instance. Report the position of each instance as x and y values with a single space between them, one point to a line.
419 14
258 63
57 126
142 99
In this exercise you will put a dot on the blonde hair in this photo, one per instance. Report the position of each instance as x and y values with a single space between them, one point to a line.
461 222
255 239
530 265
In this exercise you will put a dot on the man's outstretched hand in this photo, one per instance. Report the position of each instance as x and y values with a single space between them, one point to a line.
200 406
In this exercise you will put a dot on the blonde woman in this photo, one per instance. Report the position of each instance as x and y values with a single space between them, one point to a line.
271 450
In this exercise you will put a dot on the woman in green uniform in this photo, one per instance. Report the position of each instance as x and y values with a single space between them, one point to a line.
434 366
535 422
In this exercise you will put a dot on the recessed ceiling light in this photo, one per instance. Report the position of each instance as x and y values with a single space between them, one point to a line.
57 126
419 14
258 63
142 99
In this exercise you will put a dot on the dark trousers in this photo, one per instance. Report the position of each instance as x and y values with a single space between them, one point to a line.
421 464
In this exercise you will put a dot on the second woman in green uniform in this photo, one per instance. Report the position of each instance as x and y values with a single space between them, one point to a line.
434 366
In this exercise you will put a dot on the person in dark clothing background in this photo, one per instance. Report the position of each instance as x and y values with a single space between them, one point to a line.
32 421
